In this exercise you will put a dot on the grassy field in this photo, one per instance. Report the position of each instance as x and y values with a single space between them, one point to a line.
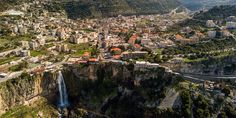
80 48
35 53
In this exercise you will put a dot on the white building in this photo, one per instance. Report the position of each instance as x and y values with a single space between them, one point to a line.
78 39
231 25
210 23
144 64
211 34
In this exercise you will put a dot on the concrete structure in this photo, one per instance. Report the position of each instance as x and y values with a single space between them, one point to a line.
133 55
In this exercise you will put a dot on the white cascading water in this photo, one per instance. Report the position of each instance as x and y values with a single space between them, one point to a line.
63 92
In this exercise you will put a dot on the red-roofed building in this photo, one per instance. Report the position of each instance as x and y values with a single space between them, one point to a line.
116 51
178 37
93 60
132 39
117 57
137 46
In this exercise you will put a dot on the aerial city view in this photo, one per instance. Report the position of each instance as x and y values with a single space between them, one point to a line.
117 58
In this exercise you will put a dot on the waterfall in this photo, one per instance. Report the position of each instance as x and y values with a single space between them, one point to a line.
63 92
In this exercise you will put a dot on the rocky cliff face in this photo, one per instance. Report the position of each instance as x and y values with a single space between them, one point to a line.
95 90
215 67
26 89
117 90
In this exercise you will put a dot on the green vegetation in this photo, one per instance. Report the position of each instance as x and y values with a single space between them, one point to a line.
5 60
81 48
19 67
36 53
40 106
218 13
186 103
201 48
104 8
88 30
202 109
21 112
8 42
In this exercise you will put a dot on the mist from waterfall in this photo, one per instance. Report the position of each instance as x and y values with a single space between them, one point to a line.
63 92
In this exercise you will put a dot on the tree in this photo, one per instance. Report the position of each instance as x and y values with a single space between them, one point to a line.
226 91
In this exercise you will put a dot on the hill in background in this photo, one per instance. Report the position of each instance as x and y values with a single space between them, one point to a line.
101 8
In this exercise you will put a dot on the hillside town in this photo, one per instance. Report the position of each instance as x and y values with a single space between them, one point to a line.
45 41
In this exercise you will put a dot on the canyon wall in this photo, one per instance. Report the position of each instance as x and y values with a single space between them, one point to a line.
26 89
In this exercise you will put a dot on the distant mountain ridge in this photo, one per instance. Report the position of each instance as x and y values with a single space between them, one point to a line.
103 8
200 4
106 8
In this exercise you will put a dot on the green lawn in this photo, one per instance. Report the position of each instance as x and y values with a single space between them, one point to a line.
8 59
80 48
35 53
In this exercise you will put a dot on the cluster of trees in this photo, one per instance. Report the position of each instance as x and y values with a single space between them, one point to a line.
186 104
228 112
201 109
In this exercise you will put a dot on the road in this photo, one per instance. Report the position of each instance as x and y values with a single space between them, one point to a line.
9 52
